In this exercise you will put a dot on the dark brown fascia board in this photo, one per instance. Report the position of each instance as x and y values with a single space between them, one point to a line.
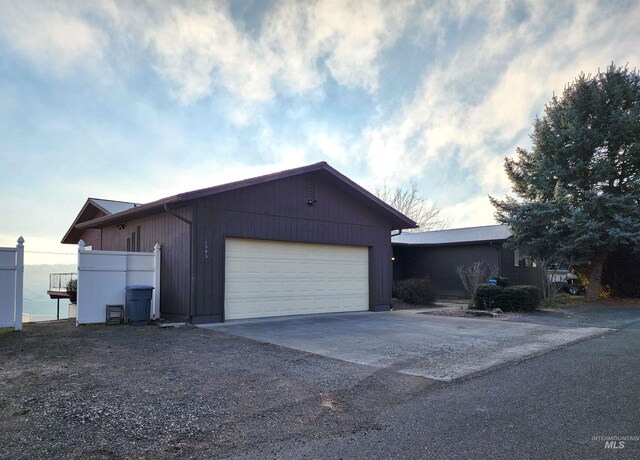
75 226
402 221
138 211
459 243
75 222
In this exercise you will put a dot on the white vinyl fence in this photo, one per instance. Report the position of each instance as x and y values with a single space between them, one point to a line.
11 285
104 275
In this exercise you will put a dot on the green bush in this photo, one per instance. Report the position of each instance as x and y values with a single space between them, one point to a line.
510 298
520 298
502 281
72 290
485 296
417 291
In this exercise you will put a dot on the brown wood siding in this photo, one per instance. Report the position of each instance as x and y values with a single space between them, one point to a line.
519 275
439 263
92 237
174 236
278 210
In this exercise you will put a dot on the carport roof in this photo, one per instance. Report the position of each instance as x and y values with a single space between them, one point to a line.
398 219
454 236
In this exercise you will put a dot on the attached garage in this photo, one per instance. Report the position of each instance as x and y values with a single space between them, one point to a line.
306 240
273 278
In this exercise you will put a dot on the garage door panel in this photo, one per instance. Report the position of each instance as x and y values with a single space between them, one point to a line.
269 278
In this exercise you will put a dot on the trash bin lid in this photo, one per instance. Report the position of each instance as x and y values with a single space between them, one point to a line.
138 287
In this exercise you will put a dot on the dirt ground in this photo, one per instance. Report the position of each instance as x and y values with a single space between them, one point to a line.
146 392
98 392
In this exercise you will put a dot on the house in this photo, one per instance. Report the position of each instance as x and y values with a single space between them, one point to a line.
305 240
92 209
437 254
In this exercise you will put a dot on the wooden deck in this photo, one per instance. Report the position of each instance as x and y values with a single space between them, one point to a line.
58 294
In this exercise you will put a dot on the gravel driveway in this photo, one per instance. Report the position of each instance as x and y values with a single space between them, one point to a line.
124 392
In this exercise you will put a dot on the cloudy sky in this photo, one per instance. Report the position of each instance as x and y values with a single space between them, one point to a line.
137 100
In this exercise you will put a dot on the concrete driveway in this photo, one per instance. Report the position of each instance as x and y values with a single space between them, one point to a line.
436 347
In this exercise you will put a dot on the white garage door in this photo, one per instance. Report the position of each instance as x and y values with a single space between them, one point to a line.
270 278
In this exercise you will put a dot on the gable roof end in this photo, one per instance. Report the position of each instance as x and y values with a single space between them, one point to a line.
87 213
398 219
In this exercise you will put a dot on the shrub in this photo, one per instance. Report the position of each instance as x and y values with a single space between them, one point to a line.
502 281
417 291
510 298
485 296
72 290
520 298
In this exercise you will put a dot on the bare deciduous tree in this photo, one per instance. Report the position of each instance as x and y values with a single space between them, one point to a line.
475 274
409 202
552 277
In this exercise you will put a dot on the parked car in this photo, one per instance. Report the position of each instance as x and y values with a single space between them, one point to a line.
573 286
569 281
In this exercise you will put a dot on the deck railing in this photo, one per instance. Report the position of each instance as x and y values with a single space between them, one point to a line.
59 281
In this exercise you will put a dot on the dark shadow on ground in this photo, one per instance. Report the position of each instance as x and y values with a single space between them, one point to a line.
602 315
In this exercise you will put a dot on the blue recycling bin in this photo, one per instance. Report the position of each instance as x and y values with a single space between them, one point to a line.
138 304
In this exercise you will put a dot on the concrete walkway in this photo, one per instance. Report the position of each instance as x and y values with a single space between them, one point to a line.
435 347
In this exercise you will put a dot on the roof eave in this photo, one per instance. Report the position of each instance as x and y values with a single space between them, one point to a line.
453 243
66 239
399 220
137 211
403 222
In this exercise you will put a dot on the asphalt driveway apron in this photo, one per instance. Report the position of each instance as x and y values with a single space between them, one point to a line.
435 347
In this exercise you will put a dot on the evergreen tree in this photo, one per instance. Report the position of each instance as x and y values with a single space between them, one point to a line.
578 188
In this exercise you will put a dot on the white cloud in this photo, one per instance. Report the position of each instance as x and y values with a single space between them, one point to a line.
54 36
329 143
200 48
471 213
478 102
